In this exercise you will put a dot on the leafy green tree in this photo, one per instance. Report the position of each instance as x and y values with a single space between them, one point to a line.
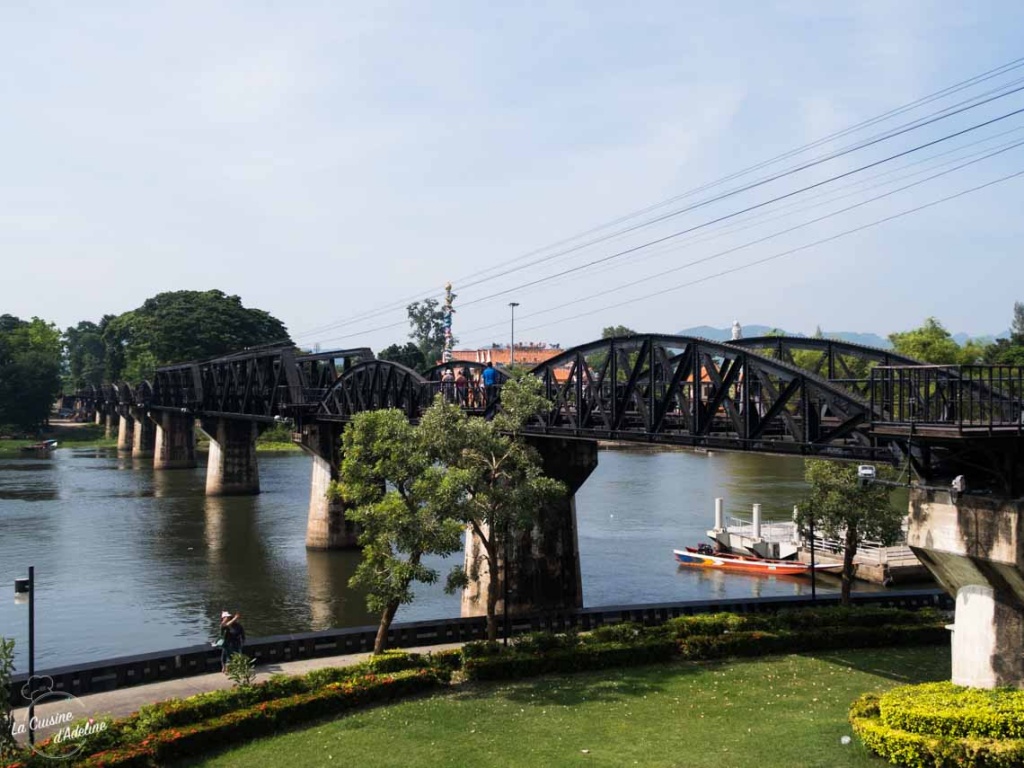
612 331
402 499
85 354
180 326
844 508
426 318
1009 351
30 370
408 355
932 343
503 487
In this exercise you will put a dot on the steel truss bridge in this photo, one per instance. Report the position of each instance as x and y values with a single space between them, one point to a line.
774 394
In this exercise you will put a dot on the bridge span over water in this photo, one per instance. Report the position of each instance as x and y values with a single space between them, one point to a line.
775 394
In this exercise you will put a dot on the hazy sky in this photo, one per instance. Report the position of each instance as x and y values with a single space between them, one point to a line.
324 160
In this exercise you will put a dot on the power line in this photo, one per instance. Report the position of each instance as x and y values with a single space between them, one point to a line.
1005 148
788 252
1003 69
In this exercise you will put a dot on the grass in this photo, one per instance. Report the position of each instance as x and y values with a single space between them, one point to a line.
77 435
777 711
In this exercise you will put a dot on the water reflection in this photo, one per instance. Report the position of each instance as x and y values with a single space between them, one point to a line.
131 560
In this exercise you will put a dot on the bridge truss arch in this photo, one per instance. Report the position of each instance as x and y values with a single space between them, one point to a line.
690 391
375 385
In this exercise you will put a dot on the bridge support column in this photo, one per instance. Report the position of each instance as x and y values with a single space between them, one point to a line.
232 469
125 434
98 417
144 441
326 527
108 424
544 569
175 441
974 546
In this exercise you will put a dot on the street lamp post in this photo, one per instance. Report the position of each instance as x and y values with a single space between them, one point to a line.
21 586
512 349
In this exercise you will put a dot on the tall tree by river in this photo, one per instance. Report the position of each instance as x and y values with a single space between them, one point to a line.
180 326
30 368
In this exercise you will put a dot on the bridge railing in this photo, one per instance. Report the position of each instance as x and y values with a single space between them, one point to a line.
959 397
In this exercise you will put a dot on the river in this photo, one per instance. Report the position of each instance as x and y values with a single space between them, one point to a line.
129 560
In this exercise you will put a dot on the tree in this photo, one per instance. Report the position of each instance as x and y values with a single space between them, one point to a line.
408 355
85 353
932 343
30 368
616 330
503 487
844 508
180 326
402 500
1009 351
427 321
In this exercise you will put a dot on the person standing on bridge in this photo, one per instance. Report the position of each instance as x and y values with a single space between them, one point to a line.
461 385
448 385
490 379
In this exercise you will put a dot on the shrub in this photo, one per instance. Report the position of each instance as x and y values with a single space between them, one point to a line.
943 724
626 632
517 663
241 670
8 747
449 660
544 642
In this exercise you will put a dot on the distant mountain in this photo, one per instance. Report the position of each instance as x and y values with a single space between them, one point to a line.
749 331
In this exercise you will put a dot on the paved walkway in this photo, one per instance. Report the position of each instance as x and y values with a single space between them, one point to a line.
124 701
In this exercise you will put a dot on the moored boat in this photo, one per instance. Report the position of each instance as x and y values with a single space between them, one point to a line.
43 445
707 558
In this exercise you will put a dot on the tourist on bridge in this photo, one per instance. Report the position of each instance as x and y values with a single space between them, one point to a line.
448 385
490 379
461 385
232 637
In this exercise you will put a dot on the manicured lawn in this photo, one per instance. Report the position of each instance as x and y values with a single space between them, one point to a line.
779 711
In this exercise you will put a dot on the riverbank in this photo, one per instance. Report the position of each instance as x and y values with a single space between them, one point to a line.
68 434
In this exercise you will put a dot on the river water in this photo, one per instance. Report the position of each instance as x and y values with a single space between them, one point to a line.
129 560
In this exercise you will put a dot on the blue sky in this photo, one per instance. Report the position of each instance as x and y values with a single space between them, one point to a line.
324 160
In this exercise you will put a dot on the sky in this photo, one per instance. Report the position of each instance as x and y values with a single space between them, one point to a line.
330 162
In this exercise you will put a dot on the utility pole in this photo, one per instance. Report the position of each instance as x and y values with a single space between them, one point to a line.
512 349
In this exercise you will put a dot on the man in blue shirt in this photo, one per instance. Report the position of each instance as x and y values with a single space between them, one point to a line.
490 379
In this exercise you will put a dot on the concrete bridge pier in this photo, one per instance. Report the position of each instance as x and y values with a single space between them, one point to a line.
175 440
109 419
144 440
232 469
97 417
974 546
326 527
544 570
125 433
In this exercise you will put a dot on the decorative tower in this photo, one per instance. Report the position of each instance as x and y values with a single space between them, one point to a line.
449 341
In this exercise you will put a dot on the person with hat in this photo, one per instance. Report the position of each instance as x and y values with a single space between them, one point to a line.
232 637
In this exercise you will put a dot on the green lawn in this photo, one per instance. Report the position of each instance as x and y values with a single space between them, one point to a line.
780 711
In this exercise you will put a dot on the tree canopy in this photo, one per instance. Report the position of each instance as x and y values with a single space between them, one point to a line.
844 508
180 326
402 500
932 343
30 370
1009 351
408 355
426 318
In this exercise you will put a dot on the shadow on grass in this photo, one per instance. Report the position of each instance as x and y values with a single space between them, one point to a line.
893 663
605 685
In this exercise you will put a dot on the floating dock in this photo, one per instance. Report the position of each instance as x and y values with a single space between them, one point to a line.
781 539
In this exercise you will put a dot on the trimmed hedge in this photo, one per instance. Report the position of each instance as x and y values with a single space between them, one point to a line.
582 658
941 724
920 750
178 743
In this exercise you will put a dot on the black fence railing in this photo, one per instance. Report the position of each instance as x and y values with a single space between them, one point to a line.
125 671
961 397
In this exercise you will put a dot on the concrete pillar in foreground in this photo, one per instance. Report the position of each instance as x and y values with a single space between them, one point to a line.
974 546
326 527
232 469
144 441
125 434
544 570
175 442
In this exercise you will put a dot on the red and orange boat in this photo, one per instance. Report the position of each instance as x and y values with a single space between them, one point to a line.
706 557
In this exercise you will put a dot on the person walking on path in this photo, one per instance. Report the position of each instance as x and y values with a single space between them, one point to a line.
232 637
